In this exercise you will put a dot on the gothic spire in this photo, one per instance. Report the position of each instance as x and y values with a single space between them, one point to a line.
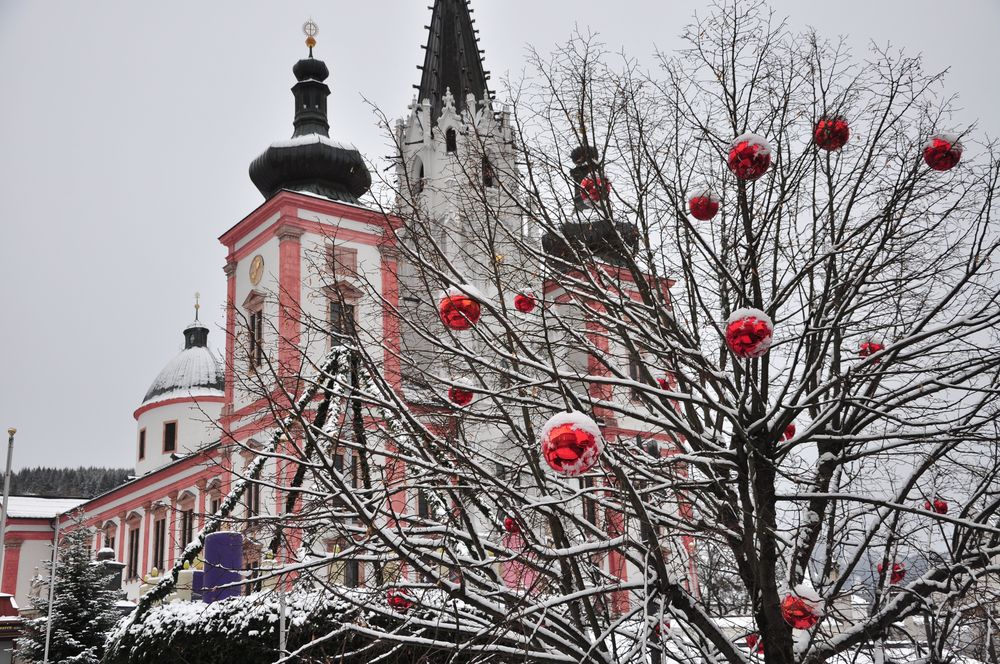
453 58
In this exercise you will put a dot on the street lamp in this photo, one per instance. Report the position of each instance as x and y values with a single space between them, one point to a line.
6 494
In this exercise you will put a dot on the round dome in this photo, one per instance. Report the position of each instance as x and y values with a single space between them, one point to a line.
194 372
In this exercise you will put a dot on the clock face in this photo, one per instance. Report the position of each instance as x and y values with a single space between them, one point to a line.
256 269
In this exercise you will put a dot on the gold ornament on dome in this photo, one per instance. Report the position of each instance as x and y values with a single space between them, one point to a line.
256 269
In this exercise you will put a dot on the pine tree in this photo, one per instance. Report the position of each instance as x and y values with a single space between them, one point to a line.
83 607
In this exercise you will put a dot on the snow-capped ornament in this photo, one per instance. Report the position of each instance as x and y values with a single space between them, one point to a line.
460 396
459 308
704 206
749 333
571 443
749 156
666 382
938 506
832 133
525 302
755 643
943 152
800 612
897 574
510 525
789 432
398 600
870 348
594 189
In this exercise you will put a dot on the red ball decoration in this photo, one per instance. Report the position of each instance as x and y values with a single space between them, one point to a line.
460 396
749 156
459 310
789 432
524 302
870 348
510 525
749 333
571 443
943 152
594 189
755 643
800 612
398 600
704 206
897 574
831 133
939 506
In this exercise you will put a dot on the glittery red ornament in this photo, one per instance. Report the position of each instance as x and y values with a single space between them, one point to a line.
749 156
704 206
870 348
458 310
940 506
831 133
798 612
524 302
897 574
460 396
398 600
571 443
755 643
943 152
789 432
749 333
510 525
594 189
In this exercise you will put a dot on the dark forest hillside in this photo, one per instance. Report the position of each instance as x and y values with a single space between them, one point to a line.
66 482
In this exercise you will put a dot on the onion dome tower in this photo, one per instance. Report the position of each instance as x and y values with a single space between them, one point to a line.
593 233
183 403
310 161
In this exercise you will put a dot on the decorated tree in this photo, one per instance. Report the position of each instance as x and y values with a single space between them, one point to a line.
736 317
84 607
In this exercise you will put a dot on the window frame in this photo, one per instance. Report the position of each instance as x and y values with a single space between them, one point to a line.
176 429
142 444
132 550
159 543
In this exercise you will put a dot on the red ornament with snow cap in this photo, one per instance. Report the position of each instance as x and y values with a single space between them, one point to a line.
510 525
938 506
801 609
398 600
594 189
460 396
571 443
459 308
749 156
749 333
832 133
704 206
943 152
870 348
524 302
755 643
897 574
789 432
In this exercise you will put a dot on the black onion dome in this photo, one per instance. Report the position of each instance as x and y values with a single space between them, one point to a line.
310 161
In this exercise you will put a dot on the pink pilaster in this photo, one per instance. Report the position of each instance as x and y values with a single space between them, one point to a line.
289 292
11 561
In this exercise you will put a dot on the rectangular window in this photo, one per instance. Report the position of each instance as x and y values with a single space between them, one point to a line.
589 504
255 325
170 437
159 542
423 505
635 373
142 444
187 527
214 505
355 471
341 318
133 552
109 539
352 573
489 177
251 499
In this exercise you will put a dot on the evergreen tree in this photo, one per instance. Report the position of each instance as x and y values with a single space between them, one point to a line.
83 607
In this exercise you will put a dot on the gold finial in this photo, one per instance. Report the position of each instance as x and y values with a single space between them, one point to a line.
197 304
310 30
11 431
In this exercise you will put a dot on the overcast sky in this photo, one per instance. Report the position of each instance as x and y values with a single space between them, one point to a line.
126 129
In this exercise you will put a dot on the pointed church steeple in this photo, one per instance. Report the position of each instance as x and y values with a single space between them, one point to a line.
453 59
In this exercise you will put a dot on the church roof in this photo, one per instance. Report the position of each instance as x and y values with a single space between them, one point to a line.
194 372
453 60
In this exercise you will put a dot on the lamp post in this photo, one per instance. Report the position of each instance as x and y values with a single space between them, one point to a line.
6 495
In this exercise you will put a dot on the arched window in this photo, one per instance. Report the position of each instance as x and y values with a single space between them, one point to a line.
489 177
421 180
451 140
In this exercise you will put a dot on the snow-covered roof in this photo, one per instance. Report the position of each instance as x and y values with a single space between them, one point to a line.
194 372
34 507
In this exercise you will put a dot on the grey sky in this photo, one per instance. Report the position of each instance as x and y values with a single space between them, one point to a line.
126 129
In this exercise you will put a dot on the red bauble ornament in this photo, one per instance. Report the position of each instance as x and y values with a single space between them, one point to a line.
831 133
789 432
943 152
897 574
459 308
665 383
749 156
704 206
749 333
398 600
460 396
594 189
510 525
524 302
939 506
870 348
755 643
571 443
800 612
